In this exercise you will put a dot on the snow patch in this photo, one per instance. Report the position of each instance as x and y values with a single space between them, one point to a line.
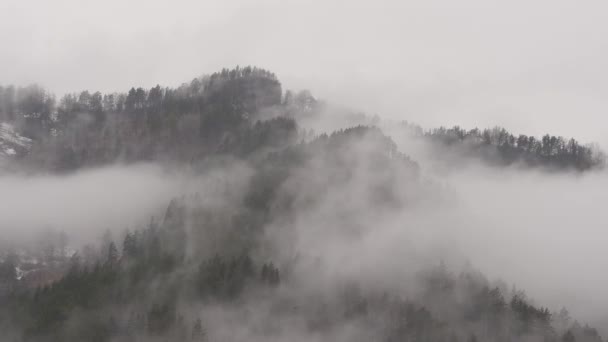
11 142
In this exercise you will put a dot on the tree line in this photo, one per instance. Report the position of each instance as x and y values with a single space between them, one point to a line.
498 146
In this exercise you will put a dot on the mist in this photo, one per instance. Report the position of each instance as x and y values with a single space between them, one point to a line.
87 203
540 230
286 201
355 211
544 232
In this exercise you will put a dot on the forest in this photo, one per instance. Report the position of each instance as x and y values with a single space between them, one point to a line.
252 258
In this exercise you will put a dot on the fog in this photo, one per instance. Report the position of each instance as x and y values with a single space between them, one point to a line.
539 231
87 203
545 233
533 67
542 232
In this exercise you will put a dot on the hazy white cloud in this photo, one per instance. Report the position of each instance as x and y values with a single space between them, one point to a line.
85 204
544 232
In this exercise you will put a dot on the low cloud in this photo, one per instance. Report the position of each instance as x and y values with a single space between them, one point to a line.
85 203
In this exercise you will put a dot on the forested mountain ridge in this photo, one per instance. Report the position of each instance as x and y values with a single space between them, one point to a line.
498 147
270 251
231 111
165 281
209 114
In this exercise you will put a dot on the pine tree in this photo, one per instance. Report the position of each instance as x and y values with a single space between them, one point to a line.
129 245
112 254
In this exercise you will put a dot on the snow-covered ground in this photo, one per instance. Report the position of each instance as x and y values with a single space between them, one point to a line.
11 142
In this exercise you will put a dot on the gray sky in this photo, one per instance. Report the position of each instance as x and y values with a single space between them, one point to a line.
532 66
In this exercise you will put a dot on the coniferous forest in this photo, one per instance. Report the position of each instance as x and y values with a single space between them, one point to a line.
267 250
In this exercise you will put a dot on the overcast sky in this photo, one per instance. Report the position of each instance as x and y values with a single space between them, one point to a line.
532 66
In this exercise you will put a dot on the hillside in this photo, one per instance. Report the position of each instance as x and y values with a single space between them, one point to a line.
282 242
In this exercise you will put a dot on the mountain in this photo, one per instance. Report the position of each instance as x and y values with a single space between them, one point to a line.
282 240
